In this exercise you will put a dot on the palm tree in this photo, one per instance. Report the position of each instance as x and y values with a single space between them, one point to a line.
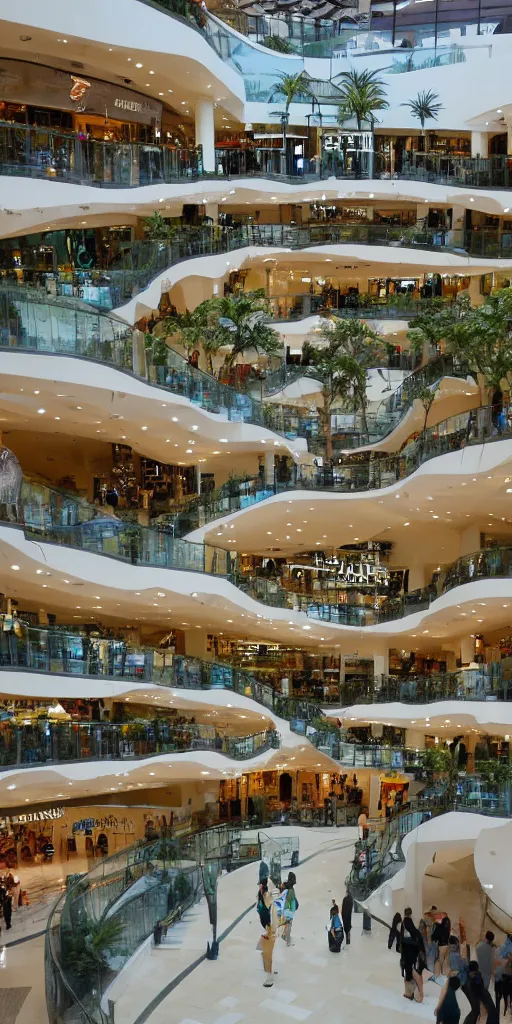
241 324
352 348
425 107
361 95
197 327
289 87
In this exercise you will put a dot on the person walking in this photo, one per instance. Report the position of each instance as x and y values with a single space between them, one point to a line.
485 954
291 904
411 948
441 935
447 1010
362 824
7 910
478 996
335 930
394 932
347 906
268 918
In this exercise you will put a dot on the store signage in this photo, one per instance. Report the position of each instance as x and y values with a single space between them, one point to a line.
29 817
348 142
38 85
362 573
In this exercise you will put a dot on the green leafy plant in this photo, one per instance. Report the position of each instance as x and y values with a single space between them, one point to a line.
87 947
278 44
156 228
289 87
362 94
352 348
497 773
425 107
157 349
241 325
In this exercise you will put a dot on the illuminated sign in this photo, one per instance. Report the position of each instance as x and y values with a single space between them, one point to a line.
29 817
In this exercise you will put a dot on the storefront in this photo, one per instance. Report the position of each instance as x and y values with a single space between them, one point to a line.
34 94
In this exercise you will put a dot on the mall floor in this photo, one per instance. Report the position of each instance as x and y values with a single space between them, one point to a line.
311 984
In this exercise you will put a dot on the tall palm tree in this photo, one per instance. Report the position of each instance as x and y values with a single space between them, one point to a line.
351 349
289 87
241 324
362 93
424 107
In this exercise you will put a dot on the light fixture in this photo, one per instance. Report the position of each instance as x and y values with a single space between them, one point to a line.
15 568
41 411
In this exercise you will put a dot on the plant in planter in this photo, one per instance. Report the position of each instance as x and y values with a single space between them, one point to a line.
87 948
156 228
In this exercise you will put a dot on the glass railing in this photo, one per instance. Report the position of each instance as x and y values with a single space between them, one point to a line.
33 322
298 307
103 918
380 856
486 682
55 518
48 153
367 470
468 172
59 155
64 651
43 742
361 755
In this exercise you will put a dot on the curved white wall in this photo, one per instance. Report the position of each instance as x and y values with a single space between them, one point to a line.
34 202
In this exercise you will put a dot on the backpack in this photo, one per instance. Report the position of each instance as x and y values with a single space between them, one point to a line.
263 912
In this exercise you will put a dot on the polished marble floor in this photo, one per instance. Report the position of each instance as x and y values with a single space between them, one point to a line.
311 984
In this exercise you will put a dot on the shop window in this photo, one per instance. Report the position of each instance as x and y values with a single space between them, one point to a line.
457 21
415 24
495 17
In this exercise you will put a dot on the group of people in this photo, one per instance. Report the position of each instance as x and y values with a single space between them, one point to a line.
340 926
432 946
276 913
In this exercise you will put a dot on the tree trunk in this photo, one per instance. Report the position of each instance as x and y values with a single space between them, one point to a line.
327 426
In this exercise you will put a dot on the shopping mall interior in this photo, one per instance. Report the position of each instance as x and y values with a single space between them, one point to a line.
255 304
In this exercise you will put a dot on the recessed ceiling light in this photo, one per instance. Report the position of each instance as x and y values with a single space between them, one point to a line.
15 567
139 65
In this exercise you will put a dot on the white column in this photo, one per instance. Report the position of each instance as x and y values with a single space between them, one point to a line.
212 210
470 540
416 577
381 663
269 469
509 139
480 144
139 354
415 739
198 479
205 132
467 649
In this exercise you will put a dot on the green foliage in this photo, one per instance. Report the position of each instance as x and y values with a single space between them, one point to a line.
424 107
156 348
362 93
182 887
240 323
196 328
498 773
437 759
278 44
157 229
87 948
482 339
289 87
434 323
325 725
352 348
